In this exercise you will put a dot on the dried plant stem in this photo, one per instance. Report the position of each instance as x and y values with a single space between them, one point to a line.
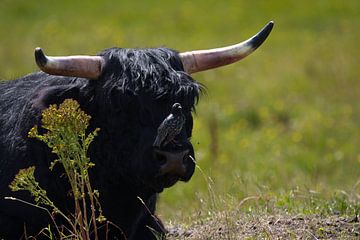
39 207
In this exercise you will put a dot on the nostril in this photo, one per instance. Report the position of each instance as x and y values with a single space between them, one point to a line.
186 159
161 159
173 163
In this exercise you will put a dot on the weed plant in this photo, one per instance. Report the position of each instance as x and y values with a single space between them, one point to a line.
66 127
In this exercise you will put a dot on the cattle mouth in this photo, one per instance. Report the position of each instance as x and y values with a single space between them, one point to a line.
164 180
168 180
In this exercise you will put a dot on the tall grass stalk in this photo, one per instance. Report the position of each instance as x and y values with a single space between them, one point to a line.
66 127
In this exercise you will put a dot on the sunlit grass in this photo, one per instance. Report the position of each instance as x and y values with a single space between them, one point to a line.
284 120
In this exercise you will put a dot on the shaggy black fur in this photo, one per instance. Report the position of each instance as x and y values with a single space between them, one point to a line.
128 102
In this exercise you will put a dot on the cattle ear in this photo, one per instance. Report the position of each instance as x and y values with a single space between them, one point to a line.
54 95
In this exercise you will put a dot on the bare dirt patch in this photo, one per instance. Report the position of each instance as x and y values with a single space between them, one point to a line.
280 226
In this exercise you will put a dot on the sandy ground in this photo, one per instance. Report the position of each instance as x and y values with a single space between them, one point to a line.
270 227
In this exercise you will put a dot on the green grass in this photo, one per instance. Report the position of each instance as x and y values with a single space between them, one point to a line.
282 124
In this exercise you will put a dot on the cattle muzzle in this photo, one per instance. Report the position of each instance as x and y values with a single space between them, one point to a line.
175 165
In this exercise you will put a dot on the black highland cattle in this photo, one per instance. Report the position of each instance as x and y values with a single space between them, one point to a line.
128 93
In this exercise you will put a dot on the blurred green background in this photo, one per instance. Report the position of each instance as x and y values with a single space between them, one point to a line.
286 119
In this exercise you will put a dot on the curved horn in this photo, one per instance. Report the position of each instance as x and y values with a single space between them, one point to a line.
73 66
200 60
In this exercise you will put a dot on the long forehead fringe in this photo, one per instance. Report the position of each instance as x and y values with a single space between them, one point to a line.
157 71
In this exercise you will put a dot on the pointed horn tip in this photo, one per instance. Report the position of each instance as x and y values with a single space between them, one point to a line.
40 57
261 36
269 26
